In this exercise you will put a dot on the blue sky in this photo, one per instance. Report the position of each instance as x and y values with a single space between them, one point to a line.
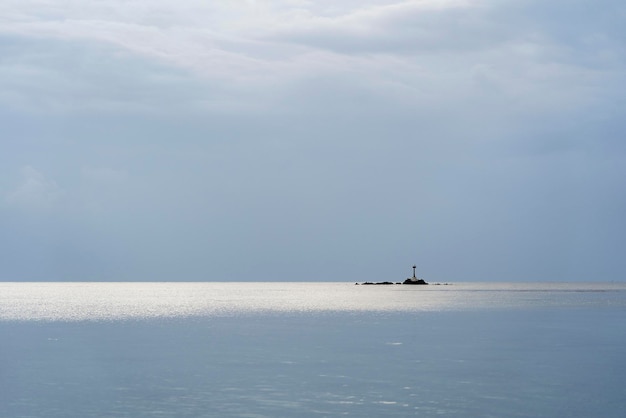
311 140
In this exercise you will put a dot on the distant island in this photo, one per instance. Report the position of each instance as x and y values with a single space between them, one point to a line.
410 280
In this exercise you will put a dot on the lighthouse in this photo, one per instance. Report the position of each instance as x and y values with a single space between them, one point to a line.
414 279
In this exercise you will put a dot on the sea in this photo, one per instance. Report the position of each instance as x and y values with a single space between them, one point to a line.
318 349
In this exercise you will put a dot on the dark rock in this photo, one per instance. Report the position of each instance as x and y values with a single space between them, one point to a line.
414 281
378 283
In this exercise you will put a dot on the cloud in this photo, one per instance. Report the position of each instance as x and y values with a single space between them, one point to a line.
397 28
200 134
253 56
250 50
35 191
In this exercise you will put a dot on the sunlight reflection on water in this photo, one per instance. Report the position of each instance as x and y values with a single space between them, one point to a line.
113 300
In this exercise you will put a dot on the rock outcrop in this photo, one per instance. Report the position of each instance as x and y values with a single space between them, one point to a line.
413 280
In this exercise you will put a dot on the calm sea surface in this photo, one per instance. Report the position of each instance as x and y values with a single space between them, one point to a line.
312 350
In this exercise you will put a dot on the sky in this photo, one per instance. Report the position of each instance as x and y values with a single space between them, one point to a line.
295 140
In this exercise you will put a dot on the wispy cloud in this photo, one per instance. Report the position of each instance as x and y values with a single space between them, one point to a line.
410 46
34 192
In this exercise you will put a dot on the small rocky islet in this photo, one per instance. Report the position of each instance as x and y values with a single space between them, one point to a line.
410 280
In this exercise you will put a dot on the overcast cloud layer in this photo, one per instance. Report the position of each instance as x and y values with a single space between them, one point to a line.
312 140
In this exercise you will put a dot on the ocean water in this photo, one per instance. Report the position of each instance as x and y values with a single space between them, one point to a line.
312 350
